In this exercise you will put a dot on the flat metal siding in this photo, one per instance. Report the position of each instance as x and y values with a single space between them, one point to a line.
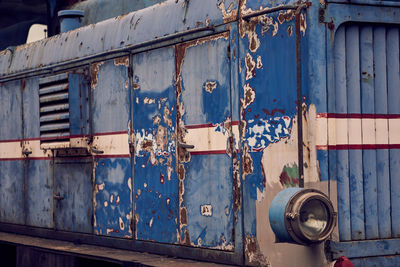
110 96
11 171
366 61
156 182
38 173
39 193
208 182
79 104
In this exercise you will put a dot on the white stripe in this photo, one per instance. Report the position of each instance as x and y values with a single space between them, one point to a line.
368 131
115 144
10 150
382 132
343 131
208 139
354 128
342 136
394 131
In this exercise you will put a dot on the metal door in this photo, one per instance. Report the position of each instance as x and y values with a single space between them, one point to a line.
154 118
73 206
204 141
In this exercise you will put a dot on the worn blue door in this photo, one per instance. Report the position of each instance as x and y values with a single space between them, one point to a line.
204 141
154 119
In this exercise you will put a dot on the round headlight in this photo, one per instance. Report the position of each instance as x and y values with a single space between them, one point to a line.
302 216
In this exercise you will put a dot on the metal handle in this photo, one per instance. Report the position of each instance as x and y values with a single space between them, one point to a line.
96 151
185 146
58 197
26 152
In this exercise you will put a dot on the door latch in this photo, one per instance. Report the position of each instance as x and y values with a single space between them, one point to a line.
185 146
58 197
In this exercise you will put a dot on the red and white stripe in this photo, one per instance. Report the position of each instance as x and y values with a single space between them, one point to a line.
357 131
207 140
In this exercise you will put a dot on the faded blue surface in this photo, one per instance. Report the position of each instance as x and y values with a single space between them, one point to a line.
208 181
393 85
258 4
155 180
39 193
31 108
73 182
367 248
342 156
388 261
204 63
110 97
11 195
11 172
113 208
78 93
11 111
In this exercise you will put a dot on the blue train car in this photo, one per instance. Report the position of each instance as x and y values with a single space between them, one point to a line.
253 132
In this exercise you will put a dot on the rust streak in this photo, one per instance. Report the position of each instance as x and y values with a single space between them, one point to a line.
210 86
94 69
122 61
250 67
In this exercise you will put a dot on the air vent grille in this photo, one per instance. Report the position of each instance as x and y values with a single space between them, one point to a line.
54 110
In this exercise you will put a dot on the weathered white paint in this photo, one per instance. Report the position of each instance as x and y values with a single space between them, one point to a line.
209 138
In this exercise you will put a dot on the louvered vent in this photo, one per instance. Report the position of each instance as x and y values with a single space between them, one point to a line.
54 111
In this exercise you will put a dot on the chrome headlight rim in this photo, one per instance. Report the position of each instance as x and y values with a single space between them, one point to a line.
292 213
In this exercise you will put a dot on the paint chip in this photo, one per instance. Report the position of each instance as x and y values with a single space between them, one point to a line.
210 86
206 210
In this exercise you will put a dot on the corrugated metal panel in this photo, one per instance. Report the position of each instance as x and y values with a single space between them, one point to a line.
367 113
54 108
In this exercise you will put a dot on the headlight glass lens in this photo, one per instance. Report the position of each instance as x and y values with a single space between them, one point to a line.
314 218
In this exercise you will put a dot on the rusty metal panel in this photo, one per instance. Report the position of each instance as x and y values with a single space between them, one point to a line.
204 121
154 119
72 197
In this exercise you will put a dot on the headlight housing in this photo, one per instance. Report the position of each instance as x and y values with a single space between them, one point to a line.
303 216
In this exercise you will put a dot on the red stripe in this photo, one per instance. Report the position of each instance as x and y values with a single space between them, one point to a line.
66 158
197 126
61 137
358 116
211 152
207 125
113 156
358 146
111 133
